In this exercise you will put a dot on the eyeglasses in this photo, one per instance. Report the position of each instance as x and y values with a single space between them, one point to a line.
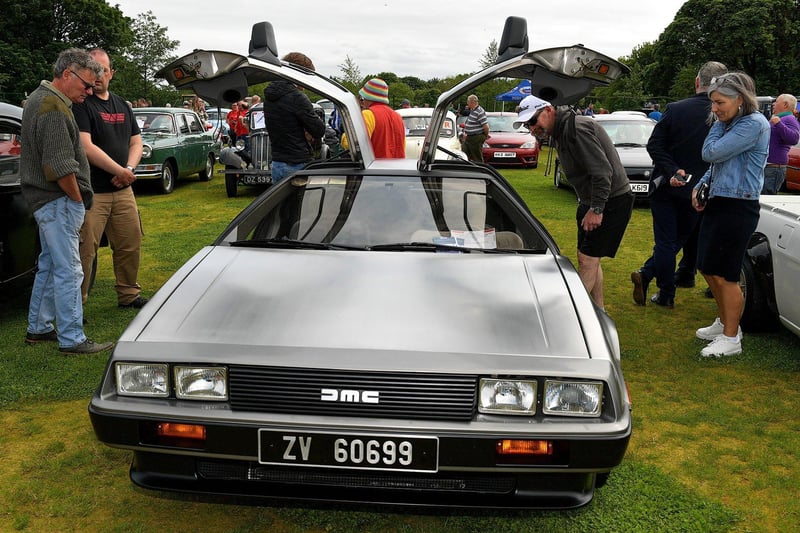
531 124
86 86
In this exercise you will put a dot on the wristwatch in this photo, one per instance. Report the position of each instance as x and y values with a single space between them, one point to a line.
132 169
597 210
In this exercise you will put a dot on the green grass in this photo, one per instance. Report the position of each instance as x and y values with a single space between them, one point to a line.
714 448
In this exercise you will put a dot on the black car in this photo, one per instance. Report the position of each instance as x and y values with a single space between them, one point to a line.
19 247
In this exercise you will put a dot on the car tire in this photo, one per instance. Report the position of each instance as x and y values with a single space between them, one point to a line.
557 177
231 184
756 315
167 177
208 171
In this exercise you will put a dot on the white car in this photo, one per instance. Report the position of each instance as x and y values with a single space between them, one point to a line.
417 120
771 267
630 133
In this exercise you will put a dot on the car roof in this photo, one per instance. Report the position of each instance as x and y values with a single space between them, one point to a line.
558 75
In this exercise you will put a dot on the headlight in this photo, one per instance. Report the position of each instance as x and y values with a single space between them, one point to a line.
201 383
147 151
142 379
529 145
507 396
573 398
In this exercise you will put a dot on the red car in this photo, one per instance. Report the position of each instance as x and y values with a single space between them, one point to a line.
793 170
509 146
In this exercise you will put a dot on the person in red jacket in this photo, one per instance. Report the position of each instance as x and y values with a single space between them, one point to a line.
387 133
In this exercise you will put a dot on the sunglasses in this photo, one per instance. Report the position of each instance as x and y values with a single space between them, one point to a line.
531 124
86 85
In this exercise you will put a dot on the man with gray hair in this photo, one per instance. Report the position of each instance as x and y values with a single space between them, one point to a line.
784 132
476 130
54 174
675 146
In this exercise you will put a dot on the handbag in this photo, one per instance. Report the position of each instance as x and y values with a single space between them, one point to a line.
704 190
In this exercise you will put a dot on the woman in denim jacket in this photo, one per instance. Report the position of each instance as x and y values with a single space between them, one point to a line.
737 147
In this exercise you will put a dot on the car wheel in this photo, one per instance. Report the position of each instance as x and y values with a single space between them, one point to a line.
167 177
231 184
207 172
756 315
557 177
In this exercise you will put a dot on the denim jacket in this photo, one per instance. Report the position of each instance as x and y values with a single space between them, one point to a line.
737 153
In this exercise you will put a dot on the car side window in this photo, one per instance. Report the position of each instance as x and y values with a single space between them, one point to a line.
182 125
194 124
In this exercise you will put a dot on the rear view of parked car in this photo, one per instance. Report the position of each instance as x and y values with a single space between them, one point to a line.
176 145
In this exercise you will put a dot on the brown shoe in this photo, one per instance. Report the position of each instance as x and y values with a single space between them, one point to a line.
87 347
640 284
36 338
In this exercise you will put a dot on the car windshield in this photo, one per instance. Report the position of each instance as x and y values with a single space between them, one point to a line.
387 212
155 122
504 123
628 132
417 126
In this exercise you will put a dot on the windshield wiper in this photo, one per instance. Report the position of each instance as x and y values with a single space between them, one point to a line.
293 244
433 247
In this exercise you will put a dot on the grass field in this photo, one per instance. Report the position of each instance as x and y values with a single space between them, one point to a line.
715 444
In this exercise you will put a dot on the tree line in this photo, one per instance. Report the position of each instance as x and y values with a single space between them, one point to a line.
759 37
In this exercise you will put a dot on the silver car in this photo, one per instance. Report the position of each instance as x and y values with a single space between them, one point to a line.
387 331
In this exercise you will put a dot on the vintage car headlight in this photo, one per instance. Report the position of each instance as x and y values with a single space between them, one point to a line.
201 383
142 379
573 398
507 396
147 151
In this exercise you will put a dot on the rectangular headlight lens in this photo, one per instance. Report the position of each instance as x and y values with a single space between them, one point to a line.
142 379
507 396
201 383
573 398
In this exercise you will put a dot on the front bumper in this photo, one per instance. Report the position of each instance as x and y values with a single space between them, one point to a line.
469 473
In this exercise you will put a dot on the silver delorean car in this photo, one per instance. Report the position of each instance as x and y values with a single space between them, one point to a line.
388 331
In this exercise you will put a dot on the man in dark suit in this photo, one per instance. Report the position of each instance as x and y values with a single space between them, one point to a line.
675 146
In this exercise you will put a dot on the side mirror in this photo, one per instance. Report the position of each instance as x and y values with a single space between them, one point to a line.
514 41
262 43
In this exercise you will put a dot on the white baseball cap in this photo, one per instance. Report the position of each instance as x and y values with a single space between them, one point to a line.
528 107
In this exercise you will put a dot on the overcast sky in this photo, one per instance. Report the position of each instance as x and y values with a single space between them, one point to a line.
422 38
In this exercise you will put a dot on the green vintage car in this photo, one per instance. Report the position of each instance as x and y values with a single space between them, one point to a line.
177 144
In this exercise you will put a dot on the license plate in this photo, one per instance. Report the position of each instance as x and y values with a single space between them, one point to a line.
255 180
409 453
640 187
505 154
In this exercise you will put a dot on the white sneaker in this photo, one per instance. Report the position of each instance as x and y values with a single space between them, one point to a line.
713 331
722 346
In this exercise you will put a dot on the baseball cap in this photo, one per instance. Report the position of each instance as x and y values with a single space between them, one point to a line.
528 107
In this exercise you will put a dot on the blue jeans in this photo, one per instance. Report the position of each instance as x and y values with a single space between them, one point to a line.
674 218
56 293
282 170
773 179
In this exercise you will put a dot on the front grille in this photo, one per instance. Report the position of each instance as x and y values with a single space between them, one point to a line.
400 395
228 471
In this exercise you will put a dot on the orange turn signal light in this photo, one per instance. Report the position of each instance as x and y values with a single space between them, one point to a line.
524 447
181 431
604 68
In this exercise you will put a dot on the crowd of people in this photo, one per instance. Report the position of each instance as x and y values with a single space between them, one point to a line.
714 154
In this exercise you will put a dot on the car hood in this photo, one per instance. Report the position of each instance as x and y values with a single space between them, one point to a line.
267 300
634 156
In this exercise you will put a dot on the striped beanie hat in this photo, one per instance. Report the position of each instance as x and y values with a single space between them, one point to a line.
375 90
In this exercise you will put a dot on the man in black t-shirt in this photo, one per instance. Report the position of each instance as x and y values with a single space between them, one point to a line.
113 143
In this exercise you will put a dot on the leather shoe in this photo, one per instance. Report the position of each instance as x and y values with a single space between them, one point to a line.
663 301
36 338
684 283
640 284
136 303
